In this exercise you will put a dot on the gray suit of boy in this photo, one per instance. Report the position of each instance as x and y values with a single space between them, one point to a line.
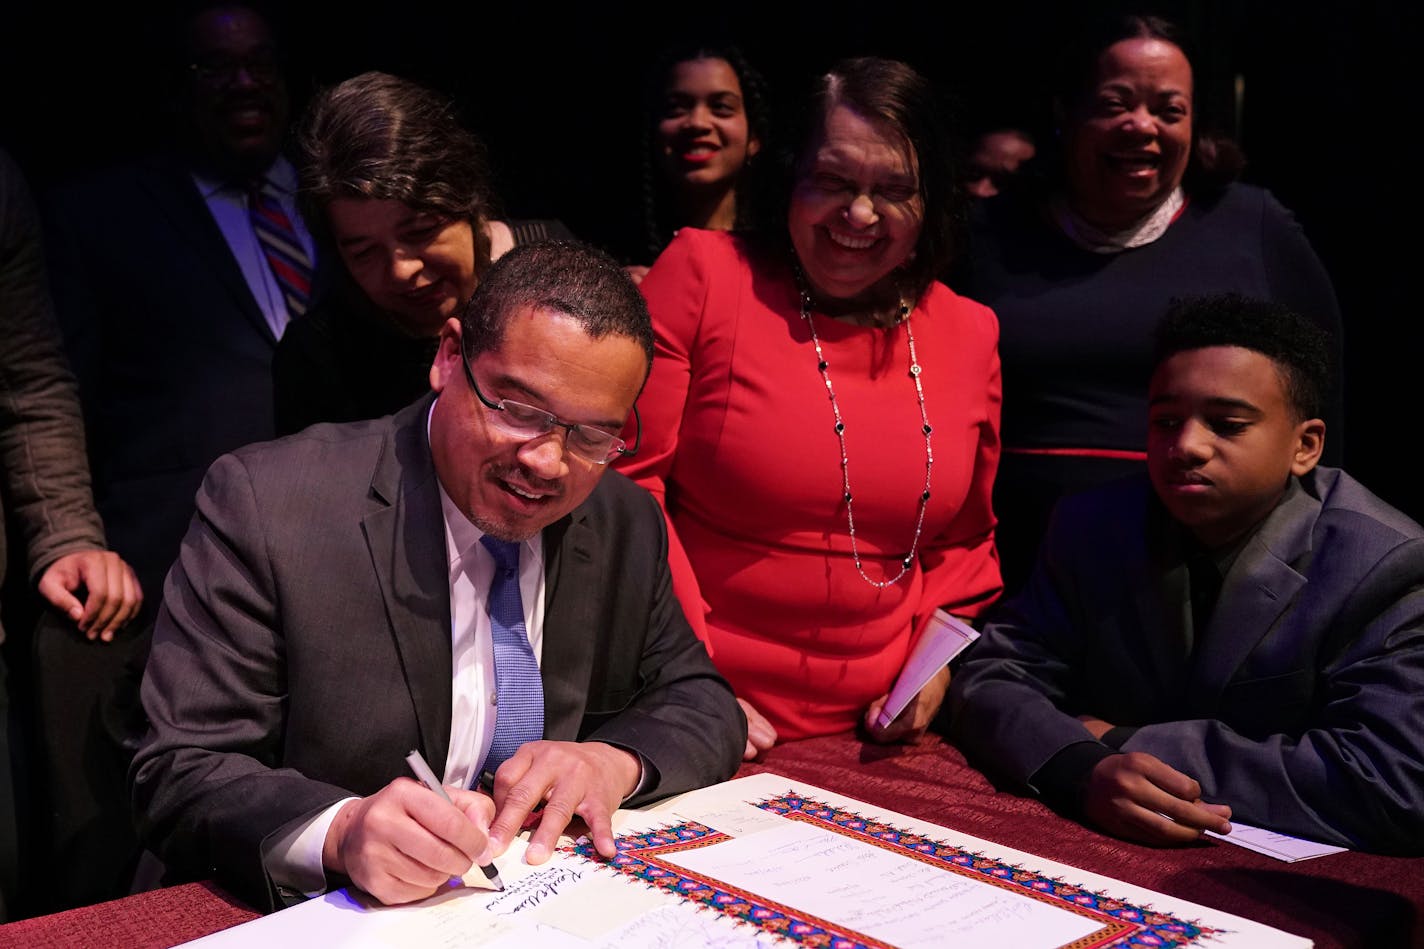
1301 705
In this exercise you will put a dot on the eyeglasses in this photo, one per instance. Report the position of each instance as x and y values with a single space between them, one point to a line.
527 422
263 68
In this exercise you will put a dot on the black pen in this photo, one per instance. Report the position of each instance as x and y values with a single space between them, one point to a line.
428 778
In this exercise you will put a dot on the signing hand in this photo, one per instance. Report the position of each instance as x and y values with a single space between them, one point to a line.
760 733
909 726
112 593
404 842
585 779
1140 797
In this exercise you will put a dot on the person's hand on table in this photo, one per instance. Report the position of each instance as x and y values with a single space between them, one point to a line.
404 842
760 733
1140 797
112 593
910 725
585 779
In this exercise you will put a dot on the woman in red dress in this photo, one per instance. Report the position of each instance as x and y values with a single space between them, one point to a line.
821 423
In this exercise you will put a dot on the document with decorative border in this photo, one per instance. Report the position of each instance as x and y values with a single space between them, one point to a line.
765 861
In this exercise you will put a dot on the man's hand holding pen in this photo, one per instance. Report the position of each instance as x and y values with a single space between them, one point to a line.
405 842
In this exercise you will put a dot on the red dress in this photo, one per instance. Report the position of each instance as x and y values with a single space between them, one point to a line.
739 446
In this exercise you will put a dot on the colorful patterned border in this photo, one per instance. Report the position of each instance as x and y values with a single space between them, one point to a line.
1122 924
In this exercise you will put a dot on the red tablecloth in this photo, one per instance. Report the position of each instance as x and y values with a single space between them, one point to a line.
163 917
1347 899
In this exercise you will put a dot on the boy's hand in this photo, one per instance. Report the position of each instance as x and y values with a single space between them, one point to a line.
1141 797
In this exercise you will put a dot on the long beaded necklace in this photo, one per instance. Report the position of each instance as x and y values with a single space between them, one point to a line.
825 368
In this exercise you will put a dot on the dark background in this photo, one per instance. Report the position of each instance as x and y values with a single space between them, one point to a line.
1327 108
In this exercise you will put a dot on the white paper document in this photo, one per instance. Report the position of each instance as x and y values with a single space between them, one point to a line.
944 638
761 862
1272 844
879 893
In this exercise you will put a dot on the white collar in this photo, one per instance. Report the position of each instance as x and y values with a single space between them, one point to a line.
281 174
1143 231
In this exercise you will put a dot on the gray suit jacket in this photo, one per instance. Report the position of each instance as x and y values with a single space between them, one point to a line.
1302 704
44 471
303 647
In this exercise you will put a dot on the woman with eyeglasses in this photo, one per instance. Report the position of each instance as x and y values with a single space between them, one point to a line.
400 189
821 422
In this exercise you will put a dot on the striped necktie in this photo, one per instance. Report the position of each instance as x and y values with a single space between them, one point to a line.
519 692
285 255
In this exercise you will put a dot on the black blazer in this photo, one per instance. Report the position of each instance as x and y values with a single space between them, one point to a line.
173 355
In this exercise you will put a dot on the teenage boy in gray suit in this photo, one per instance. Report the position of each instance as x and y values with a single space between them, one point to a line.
1241 633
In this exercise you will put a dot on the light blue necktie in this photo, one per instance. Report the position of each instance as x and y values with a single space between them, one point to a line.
519 708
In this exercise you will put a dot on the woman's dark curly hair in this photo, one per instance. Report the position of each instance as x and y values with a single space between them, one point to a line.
658 220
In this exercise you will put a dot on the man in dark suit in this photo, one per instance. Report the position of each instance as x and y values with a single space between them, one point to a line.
1247 630
334 584
168 298
171 305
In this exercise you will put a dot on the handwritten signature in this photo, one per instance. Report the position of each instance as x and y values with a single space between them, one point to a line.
533 890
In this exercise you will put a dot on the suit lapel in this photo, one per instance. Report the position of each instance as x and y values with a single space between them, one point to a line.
404 534
1163 609
1260 586
173 190
1164 606
570 574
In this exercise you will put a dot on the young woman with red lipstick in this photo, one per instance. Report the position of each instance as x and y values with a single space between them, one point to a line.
1140 209
821 422
401 190
708 120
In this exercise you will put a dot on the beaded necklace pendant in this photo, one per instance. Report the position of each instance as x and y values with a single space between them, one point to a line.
823 365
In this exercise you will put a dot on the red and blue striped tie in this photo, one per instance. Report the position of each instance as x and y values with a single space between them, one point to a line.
284 252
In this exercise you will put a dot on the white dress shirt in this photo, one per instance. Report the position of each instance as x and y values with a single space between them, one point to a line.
472 692
293 855
228 205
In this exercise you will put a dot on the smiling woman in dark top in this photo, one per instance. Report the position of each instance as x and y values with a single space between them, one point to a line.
1142 210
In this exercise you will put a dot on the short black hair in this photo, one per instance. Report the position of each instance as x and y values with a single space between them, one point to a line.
1299 348
563 276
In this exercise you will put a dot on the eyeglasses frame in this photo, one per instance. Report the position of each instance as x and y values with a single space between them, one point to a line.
556 422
